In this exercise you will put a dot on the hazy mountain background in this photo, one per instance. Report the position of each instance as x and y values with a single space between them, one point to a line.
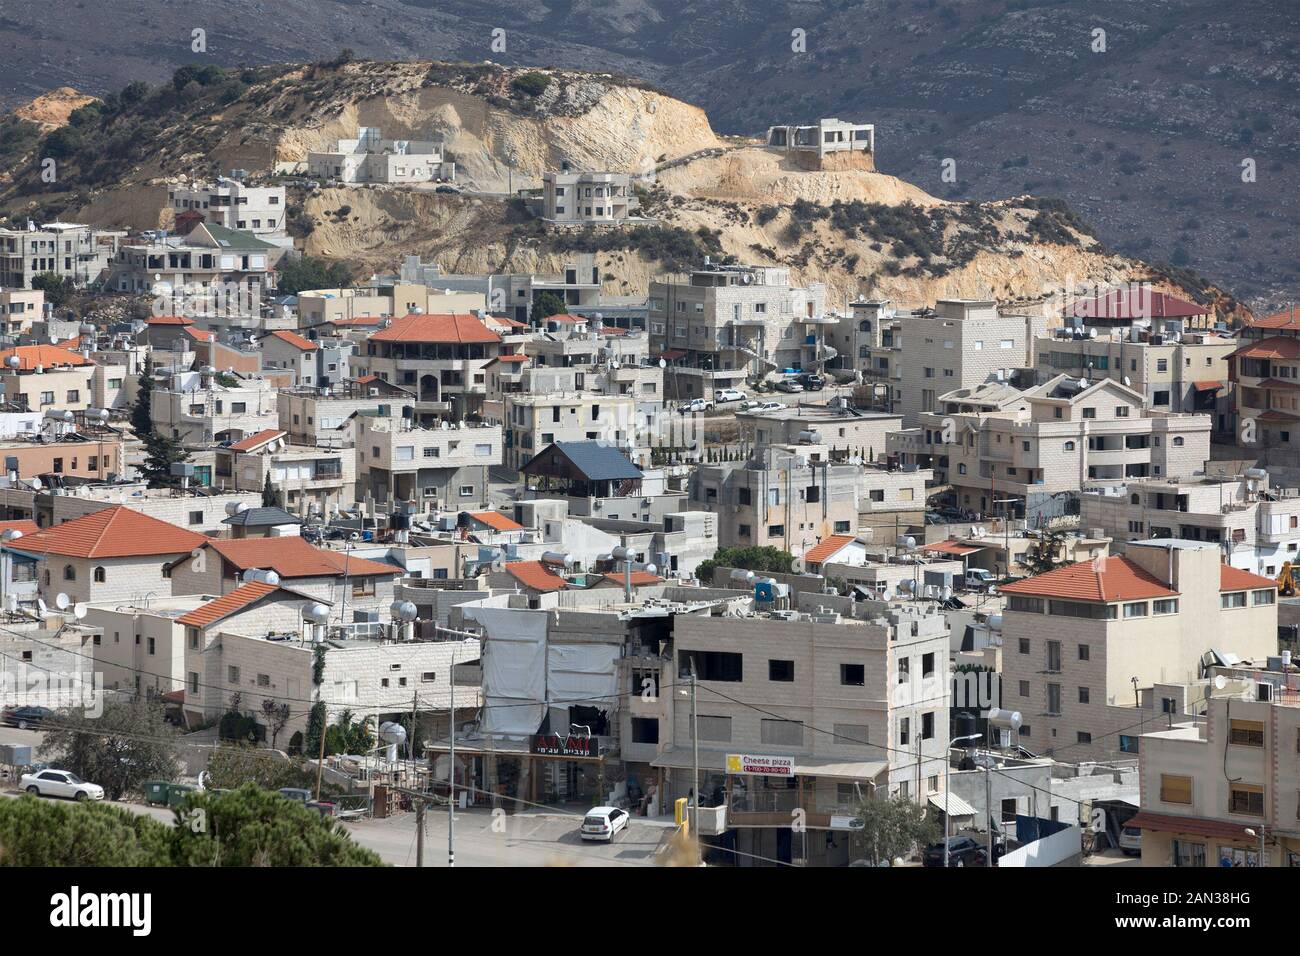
1145 140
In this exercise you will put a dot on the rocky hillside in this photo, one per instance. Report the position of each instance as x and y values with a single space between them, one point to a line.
857 230
1145 139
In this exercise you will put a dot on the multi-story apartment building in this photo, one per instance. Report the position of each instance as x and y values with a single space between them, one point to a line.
46 378
318 415
857 706
725 324
587 197
533 420
372 159
210 271
846 432
19 308
200 408
236 205
309 477
825 137
1223 790
1173 371
1266 375
341 308
436 468
1071 434
1138 303
76 252
439 357
1256 527
1079 641
869 340
962 343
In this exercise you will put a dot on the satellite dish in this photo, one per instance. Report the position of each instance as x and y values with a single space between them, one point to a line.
663 363
62 601
11 534
1220 682
79 611
41 606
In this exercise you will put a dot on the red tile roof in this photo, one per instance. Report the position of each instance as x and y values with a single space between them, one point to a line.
227 604
48 356
257 440
496 520
114 532
1275 346
356 320
642 578
536 576
1207 386
168 320
1172 823
452 329
294 557
1119 580
1136 304
952 547
1235 579
510 358
826 548
1290 319
294 339
1282 384
197 334
24 525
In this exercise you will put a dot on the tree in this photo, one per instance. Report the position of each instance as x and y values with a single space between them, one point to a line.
234 765
58 289
142 410
548 304
126 745
249 826
309 272
36 832
277 715
892 826
766 560
532 83
161 452
1047 553
272 497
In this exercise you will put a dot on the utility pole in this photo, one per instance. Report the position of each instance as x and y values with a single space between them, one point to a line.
988 808
695 757
419 833
451 769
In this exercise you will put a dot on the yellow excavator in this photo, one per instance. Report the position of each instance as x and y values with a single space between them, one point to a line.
1286 581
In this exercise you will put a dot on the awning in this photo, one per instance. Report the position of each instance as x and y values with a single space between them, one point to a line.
672 355
1171 823
957 807
1207 386
681 759
954 548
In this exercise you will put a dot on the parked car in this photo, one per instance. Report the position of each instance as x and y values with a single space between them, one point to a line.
962 851
695 405
762 407
728 395
811 382
1130 840
979 579
603 823
60 783
25 717
299 795
788 385
446 189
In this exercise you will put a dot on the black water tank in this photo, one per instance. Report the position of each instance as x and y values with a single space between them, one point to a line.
966 724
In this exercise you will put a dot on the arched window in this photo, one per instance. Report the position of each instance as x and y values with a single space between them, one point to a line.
864 326
1069 446
69 573
100 574
1178 441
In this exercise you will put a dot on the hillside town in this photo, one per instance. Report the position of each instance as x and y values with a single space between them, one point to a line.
728 571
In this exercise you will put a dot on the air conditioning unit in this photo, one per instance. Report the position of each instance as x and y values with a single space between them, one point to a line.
1264 692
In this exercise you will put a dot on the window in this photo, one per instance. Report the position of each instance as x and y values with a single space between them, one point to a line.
783 733
196 517
1175 789
927 665
853 675
851 735
1024 688
927 726
428 677
1084 652
780 671
263 680
1246 733
153 646
1135 609
1166 606
1246 798
904 731
1053 656
776 530
1188 854
1266 596
1084 696
645 730
1024 645
100 575
69 573
1234 599
1054 698
1128 744
232 674
194 682
363 587
904 669
712 665
714 728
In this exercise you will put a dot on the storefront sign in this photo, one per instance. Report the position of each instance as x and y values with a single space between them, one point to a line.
760 766
566 746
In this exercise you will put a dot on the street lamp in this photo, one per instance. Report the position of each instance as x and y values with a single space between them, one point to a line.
1250 831
947 765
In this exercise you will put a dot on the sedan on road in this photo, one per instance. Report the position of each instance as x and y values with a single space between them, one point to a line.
25 717
60 783
788 385
603 823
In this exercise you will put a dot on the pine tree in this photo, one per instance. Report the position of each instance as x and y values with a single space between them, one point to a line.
161 453
142 411
271 497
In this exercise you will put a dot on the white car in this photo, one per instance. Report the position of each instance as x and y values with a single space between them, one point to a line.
603 823
695 405
728 395
758 406
60 783
1130 841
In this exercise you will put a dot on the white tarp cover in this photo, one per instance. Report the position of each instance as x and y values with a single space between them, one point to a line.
583 672
514 672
